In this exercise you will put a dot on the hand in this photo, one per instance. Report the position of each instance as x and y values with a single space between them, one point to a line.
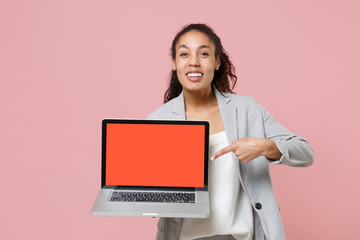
249 148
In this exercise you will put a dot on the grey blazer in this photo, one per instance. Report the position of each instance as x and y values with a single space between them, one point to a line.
243 117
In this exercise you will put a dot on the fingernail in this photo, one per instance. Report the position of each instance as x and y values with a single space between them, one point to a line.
212 158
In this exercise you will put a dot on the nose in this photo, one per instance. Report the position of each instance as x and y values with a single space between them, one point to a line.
194 61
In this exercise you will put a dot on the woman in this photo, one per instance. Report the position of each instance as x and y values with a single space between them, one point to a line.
244 139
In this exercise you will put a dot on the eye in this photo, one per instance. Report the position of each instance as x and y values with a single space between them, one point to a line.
183 54
204 54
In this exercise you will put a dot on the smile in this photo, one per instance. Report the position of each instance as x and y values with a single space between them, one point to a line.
194 74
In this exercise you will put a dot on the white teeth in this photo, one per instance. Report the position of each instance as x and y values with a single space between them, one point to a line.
194 74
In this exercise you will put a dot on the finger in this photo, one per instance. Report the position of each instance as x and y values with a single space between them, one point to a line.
221 152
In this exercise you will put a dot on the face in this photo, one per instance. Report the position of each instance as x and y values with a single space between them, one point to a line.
195 61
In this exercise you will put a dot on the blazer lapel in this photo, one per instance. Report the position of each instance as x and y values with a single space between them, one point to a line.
228 113
178 110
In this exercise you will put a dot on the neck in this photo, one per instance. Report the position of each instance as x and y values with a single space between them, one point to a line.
196 100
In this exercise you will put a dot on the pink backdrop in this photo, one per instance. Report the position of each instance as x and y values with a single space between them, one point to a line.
65 65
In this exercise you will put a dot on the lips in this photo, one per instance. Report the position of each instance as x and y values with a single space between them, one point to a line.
194 76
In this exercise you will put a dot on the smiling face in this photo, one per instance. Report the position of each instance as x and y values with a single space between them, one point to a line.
195 61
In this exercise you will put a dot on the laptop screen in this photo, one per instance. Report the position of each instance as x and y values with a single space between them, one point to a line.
155 154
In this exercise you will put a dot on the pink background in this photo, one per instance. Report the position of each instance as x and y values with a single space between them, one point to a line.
65 65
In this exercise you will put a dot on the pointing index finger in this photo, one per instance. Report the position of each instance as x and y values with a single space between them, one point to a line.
221 152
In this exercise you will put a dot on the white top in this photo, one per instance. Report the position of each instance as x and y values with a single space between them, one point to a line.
230 208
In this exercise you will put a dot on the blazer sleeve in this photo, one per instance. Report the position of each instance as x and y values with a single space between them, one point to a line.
296 151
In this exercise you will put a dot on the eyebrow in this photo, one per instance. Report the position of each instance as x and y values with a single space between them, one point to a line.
201 47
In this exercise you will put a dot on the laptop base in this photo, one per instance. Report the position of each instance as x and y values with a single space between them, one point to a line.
104 207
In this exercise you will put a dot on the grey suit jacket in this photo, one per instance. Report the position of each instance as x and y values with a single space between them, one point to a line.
243 117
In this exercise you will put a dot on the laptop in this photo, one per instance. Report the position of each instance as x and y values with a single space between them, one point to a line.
154 168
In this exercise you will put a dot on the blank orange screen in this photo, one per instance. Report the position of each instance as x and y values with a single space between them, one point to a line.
155 155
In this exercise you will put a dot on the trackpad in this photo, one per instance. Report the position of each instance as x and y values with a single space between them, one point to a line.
153 207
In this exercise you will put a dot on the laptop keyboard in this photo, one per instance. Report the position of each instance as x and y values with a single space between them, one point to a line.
171 197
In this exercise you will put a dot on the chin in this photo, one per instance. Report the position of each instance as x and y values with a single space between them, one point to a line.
197 88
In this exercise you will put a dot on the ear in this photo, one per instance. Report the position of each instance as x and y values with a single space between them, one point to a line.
174 66
217 63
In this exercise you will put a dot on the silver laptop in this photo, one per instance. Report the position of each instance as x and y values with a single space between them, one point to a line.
154 168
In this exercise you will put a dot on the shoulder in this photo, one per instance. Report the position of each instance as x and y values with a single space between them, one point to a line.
163 111
242 100
245 105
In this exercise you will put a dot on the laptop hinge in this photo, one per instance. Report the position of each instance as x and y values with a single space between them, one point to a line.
154 188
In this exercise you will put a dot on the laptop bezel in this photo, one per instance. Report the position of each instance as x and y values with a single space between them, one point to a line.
143 121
